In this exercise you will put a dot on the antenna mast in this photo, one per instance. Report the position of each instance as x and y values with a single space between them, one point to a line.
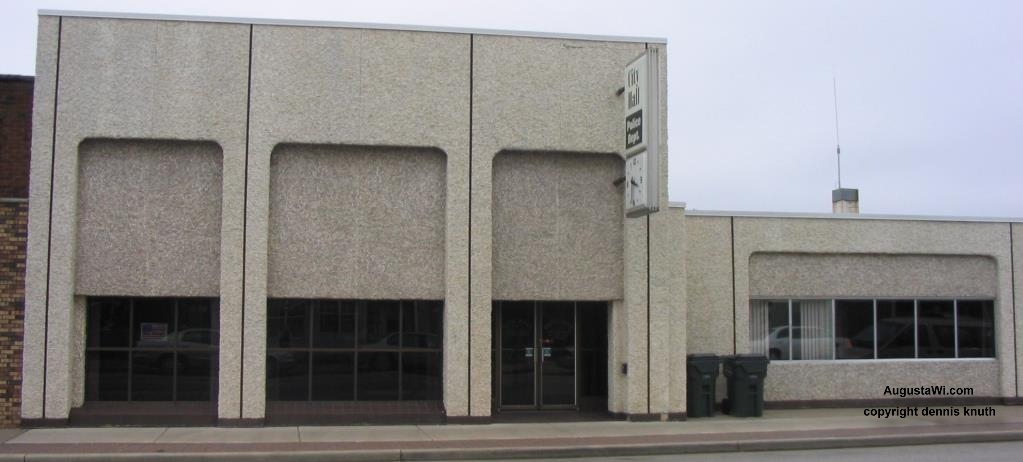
838 145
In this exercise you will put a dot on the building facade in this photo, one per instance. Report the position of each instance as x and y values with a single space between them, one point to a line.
247 222
15 137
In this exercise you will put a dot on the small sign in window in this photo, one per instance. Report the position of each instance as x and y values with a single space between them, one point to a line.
154 331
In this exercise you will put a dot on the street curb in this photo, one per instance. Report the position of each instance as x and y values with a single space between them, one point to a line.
537 452
710 447
255 456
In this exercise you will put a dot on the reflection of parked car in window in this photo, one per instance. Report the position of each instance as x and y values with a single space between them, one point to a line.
778 340
281 361
186 339
896 338
385 362
408 340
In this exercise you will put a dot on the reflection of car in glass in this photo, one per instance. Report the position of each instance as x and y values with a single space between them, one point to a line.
778 340
385 362
281 361
186 339
896 339
408 340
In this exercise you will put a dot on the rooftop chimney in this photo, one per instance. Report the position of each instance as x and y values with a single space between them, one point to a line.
845 200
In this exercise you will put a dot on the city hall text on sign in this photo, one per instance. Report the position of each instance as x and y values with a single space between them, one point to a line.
635 100
641 125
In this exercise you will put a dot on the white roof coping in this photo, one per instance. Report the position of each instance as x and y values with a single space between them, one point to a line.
350 25
848 216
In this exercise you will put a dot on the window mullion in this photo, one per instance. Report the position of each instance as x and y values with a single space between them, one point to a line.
834 333
359 306
916 330
875 328
401 339
313 312
955 325
131 341
792 332
174 354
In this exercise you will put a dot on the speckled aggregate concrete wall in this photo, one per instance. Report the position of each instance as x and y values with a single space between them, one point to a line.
401 101
828 236
871 275
668 323
930 251
134 237
553 95
848 379
126 79
342 227
37 248
709 285
666 282
359 87
557 227
1016 237
253 90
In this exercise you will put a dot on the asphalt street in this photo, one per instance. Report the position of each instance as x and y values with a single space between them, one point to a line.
995 452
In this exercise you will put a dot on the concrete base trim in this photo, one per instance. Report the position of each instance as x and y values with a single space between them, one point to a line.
241 423
43 423
467 420
644 417
653 417
143 414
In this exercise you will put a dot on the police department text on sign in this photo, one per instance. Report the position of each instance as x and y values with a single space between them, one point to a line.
642 134
635 103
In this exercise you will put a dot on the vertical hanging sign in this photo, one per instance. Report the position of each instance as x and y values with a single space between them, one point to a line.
642 134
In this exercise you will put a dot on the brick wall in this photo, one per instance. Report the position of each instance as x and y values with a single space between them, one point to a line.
15 134
15 138
13 232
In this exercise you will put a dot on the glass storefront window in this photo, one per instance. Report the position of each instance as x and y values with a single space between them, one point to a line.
976 328
354 350
151 349
854 329
872 329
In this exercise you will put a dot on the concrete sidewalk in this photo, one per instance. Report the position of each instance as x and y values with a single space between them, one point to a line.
788 429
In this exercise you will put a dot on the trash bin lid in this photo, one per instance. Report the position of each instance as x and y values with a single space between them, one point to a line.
702 356
750 356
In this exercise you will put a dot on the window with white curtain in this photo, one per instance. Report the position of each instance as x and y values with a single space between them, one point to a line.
797 329
812 330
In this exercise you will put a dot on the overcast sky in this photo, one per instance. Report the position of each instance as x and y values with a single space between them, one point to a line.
929 92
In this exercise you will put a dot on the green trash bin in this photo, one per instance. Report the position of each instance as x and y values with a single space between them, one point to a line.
745 374
701 380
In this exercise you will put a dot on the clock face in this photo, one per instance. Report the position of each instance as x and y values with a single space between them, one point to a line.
635 182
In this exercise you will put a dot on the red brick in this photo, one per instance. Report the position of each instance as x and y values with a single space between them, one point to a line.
15 152
15 135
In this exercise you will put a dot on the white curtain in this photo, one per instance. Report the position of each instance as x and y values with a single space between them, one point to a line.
758 326
816 334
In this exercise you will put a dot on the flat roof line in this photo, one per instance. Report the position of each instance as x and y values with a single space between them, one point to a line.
22 78
351 25
848 216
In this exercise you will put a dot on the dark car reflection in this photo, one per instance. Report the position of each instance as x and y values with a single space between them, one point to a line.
936 338
159 353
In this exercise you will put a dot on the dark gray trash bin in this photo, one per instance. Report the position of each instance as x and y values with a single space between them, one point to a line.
701 380
745 374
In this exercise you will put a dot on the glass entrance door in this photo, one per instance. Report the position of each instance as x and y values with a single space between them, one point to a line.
537 347
557 354
518 354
